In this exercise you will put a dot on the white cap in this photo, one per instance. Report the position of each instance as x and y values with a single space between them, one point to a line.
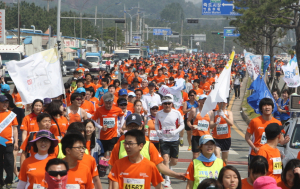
132 94
167 98
86 70
200 97
153 104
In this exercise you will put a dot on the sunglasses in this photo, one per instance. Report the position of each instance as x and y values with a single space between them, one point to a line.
167 103
55 173
154 108
78 99
122 104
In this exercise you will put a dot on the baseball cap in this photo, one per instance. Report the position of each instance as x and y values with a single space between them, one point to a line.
265 182
132 94
45 134
171 78
3 98
86 70
47 101
153 104
5 88
122 101
124 81
134 118
80 65
204 76
205 138
196 81
135 80
273 130
202 96
108 97
80 90
151 84
123 92
167 98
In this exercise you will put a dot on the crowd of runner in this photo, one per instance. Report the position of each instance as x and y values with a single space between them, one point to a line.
125 128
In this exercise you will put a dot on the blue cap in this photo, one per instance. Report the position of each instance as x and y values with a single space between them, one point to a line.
123 92
80 65
116 72
5 88
3 98
205 138
80 90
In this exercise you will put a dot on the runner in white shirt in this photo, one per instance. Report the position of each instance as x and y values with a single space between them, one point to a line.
168 124
151 97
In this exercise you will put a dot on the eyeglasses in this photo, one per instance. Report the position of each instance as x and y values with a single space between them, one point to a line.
129 144
154 108
55 173
122 104
78 99
80 148
192 95
167 103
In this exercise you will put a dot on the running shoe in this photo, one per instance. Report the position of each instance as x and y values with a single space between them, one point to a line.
181 142
190 148
167 183
8 186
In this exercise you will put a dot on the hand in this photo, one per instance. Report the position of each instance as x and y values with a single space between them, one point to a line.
218 120
159 132
286 139
180 176
221 114
297 170
16 147
194 127
104 127
173 133
256 150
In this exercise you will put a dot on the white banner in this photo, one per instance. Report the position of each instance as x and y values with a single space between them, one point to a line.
175 91
2 26
253 63
291 73
221 91
37 76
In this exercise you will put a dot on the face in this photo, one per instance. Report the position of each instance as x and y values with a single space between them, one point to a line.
151 88
138 107
267 109
78 101
290 178
61 108
201 102
60 167
108 104
285 95
123 107
254 176
89 128
195 84
88 78
37 107
192 96
76 151
138 95
167 106
144 84
208 148
230 180
124 96
154 110
131 146
88 95
45 124
96 81
80 84
275 95
4 105
124 86
111 90
131 99
43 144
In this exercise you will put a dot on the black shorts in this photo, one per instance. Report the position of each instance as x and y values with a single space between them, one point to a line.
278 74
108 145
195 143
224 144
170 148
186 127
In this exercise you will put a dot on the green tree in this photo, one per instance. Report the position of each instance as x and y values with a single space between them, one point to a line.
172 12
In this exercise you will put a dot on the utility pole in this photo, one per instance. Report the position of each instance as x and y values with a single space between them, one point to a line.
125 28
58 22
138 17
116 37
181 32
19 40
80 44
95 15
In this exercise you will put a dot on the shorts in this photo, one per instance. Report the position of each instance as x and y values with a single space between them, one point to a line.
186 127
170 148
195 144
108 145
278 74
224 144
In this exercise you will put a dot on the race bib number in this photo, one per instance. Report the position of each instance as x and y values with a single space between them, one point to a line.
263 139
166 131
72 186
37 186
153 135
134 183
202 125
222 129
109 122
277 166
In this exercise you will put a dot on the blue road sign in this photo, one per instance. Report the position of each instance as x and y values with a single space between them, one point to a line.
162 32
218 7
136 37
229 32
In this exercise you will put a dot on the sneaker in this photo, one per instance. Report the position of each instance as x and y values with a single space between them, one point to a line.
189 148
8 186
167 183
16 179
181 142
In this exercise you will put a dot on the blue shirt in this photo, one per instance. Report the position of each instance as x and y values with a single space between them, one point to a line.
284 116
276 113
100 92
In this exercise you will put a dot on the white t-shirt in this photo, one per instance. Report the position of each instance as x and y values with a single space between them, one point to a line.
172 121
151 98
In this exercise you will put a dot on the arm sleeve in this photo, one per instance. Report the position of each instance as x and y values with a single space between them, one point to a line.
155 157
97 93
113 174
156 177
250 127
156 123
190 172
181 122
89 184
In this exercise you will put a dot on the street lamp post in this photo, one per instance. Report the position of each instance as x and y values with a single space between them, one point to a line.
130 35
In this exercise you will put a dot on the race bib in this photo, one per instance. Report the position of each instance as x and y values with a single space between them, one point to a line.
37 186
109 122
263 139
133 183
72 186
153 135
222 129
202 125
277 166
166 131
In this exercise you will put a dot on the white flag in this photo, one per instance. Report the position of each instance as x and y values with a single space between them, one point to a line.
291 73
221 91
38 76
253 63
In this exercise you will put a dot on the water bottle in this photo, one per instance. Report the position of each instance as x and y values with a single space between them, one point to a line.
146 130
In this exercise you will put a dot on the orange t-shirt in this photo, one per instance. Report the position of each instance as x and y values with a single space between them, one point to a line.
88 145
29 123
130 106
90 162
145 91
256 128
198 91
88 107
223 130
155 157
18 100
33 171
246 185
110 119
80 176
274 159
204 123
151 124
190 169
74 117
63 124
160 79
210 80
145 172
90 85
7 133
185 96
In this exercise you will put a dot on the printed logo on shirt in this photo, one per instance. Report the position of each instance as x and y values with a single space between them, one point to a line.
78 180
31 169
124 173
31 123
143 175
261 128
103 115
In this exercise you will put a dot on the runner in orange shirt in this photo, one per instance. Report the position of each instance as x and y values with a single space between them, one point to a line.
74 112
144 87
17 98
89 81
140 171
198 90
160 78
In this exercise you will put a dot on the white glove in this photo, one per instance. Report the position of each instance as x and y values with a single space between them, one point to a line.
218 120
173 133
221 113
159 133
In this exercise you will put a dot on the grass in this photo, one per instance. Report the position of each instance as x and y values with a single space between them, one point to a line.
249 110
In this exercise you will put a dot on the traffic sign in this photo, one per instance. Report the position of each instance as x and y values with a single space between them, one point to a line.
136 37
231 32
199 37
218 7
162 32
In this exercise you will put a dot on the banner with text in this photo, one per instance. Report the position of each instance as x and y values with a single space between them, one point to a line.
291 73
253 63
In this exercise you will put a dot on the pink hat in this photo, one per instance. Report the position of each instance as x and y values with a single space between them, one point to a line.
265 182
